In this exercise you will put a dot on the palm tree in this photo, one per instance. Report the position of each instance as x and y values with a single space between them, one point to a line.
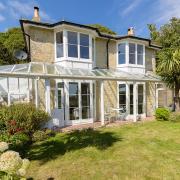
168 58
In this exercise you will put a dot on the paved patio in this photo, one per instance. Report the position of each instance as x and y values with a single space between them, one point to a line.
97 124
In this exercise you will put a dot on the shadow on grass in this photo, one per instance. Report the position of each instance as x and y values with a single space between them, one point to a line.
59 145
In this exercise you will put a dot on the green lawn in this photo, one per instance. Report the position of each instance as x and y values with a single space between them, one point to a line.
148 150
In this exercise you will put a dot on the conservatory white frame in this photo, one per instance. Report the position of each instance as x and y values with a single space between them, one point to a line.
47 71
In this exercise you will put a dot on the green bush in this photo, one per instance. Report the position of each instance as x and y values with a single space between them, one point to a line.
175 117
19 139
42 135
24 118
162 114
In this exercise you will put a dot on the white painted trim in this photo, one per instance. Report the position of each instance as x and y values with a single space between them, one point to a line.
36 93
102 102
135 101
47 95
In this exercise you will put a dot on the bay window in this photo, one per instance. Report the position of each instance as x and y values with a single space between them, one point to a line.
130 53
74 45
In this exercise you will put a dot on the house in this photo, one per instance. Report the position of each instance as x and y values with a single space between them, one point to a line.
78 73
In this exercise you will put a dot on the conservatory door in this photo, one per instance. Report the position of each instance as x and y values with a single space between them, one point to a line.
58 112
80 106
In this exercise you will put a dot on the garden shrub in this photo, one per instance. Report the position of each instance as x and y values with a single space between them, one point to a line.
42 135
18 122
162 114
175 117
24 118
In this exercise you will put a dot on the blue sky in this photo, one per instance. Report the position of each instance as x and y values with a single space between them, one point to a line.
116 14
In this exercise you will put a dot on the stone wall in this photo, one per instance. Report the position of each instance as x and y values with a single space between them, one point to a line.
42 44
150 64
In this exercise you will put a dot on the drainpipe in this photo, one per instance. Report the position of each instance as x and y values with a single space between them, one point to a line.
28 50
107 51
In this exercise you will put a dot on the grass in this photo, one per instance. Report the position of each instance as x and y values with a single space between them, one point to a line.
148 150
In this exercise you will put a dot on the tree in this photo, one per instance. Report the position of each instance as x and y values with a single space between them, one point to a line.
103 29
168 58
9 42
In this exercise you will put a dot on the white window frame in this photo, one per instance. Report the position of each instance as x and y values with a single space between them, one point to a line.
80 120
127 54
128 97
65 47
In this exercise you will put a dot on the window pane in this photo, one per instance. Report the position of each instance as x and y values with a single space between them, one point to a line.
59 37
84 52
131 48
122 96
73 88
140 49
121 53
140 109
131 58
131 98
72 51
122 99
140 99
85 88
85 100
59 99
59 50
121 59
84 40
122 89
73 113
132 53
140 59
85 112
73 101
72 38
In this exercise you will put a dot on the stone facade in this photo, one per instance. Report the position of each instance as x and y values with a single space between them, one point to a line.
42 44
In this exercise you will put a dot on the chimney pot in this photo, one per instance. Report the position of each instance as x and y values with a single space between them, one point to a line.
131 31
36 14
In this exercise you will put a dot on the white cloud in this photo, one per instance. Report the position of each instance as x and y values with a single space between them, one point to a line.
166 10
19 9
2 6
2 18
131 6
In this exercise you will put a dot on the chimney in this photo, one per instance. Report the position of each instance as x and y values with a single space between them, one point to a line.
36 14
131 31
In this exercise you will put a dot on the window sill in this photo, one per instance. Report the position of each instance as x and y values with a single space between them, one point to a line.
74 60
131 65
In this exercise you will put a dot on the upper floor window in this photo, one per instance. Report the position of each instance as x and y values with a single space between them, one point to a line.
72 44
84 46
133 54
59 45
122 53
140 54
77 39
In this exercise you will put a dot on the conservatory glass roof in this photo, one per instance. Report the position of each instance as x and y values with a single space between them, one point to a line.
46 70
